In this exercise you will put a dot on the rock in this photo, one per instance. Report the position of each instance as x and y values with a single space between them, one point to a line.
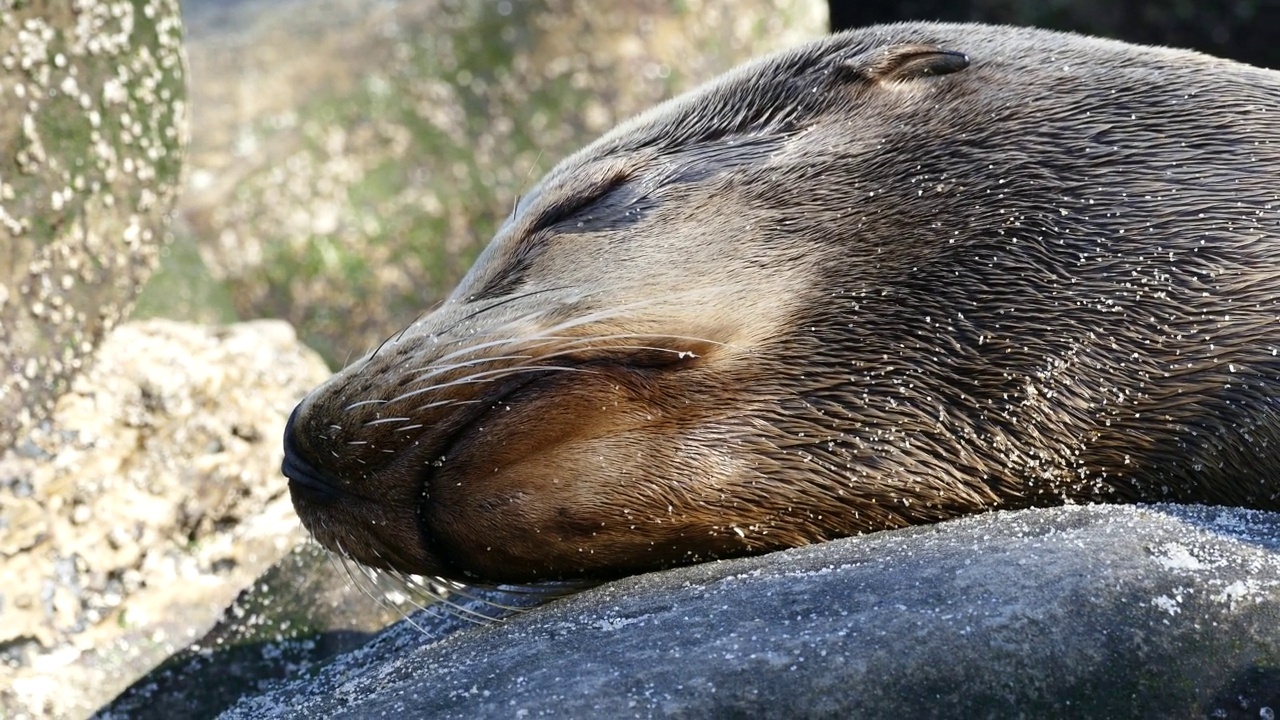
1096 611
152 496
92 127
302 612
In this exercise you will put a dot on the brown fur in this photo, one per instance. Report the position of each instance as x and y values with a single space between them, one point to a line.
891 277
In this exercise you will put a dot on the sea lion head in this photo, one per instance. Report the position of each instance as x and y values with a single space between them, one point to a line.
753 296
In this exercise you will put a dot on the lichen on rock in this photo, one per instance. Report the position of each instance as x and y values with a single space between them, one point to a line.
149 499
92 131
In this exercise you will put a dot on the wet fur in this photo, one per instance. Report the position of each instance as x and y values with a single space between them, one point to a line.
891 277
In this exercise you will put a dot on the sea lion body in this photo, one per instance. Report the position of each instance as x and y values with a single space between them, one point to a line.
890 277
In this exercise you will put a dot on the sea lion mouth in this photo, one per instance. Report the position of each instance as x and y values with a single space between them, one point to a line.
471 422
499 497
601 362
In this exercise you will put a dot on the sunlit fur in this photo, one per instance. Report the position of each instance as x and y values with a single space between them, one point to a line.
891 277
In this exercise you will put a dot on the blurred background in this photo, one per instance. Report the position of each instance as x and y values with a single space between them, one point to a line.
349 158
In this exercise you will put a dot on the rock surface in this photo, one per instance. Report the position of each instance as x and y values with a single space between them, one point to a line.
134 516
1098 611
301 613
92 127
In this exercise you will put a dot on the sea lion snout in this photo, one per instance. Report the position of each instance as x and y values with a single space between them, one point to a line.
890 277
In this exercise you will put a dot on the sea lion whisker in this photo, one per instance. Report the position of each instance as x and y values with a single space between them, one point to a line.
451 402
599 316
462 590
340 561
549 335
549 589
626 310
488 377
541 369
458 610
439 403
408 616
471 349
409 594
380 595
399 335
474 379
421 316
393 336
465 593
510 326
506 329
362 403
433 371
570 345
515 207
384 421
344 561
366 578
569 352
413 595
501 303
543 592
659 336
466 344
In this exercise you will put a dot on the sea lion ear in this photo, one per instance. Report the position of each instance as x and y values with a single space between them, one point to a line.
900 63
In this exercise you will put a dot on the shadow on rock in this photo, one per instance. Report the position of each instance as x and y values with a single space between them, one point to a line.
299 614
1248 695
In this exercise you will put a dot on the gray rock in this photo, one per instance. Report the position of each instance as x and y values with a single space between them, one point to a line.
301 613
92 126
1095 611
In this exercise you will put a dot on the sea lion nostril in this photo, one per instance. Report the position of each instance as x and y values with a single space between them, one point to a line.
307 484
306 481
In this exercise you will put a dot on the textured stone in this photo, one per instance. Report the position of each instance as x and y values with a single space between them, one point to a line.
300 613
133 516
1098 611
92 128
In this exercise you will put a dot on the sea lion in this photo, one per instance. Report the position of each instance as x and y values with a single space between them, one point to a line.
890 277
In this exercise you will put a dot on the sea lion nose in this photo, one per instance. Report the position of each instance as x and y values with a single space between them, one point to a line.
307 483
